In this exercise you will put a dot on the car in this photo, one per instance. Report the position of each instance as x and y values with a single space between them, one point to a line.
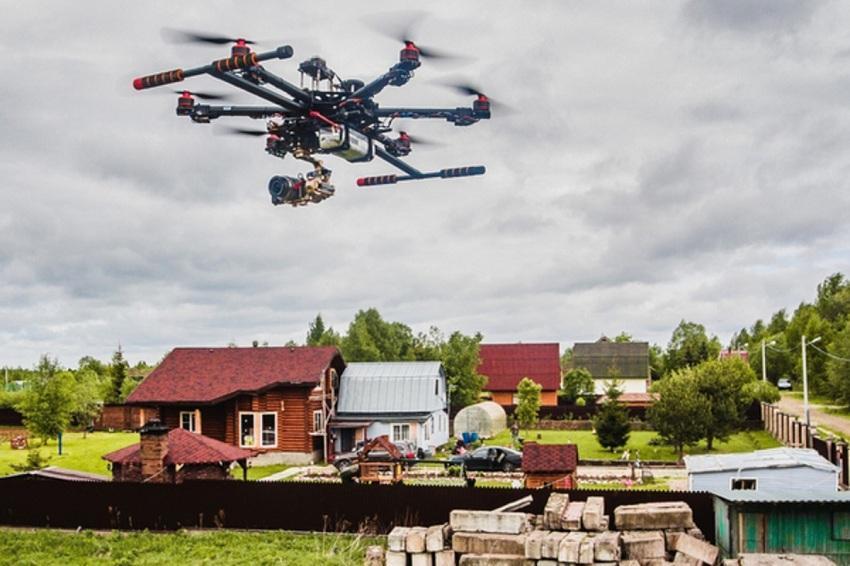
784 384
489 459
345 459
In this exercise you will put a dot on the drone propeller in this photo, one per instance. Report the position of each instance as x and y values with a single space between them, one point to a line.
418 140
401 27
253 132
184 36
204 95
471 90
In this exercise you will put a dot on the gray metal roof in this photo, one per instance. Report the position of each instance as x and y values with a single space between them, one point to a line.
760 459
755 497
375 388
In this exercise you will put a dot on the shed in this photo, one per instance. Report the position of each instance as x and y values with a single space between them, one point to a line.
54 473
487 419
777 473
549 465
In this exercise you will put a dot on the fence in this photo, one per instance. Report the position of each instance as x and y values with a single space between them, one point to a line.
10 417
791 431
279 505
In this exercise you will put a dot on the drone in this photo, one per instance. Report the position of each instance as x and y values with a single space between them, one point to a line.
324 114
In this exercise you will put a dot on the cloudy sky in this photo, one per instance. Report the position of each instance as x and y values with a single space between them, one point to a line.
664 160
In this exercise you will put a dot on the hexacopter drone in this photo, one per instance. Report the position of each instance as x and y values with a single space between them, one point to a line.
329 116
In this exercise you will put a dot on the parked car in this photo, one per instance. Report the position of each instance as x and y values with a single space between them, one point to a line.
784 384
489 459
344 459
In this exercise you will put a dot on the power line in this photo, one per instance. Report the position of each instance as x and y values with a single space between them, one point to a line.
833 356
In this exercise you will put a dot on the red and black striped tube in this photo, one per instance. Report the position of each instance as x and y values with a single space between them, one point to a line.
159 79
462 171
379 180
236 62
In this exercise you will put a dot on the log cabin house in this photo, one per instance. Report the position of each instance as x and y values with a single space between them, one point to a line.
275 401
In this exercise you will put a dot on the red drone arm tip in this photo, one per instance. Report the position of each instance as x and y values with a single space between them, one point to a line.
137 84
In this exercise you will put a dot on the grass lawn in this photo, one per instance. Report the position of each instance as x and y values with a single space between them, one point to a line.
22 547
589 449
78 453
259 472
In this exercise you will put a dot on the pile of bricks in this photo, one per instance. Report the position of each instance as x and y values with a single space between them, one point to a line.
568 532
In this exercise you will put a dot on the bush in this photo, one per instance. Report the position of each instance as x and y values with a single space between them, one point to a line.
34 461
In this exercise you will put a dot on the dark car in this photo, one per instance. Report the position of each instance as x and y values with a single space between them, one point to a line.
489 459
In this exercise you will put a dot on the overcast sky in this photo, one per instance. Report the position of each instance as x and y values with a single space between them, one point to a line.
665 160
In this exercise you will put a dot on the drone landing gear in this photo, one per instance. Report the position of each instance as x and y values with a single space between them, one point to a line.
301 191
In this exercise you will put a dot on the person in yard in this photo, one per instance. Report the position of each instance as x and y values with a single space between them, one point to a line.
515 433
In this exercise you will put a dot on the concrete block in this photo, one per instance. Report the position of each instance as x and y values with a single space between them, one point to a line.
534 544
415 540
652 516
445 558
555 506
695 548
438 537
494 560
585 551
422 559
681 558
571 520
607 546
643 545
696 533
570 546
488 543
731 562
606 521
591 516
467 521
670 537
396 558
629 563
396 539
547 562
551 544
374 556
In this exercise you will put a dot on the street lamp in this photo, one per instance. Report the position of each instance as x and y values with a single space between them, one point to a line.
764 358
806 378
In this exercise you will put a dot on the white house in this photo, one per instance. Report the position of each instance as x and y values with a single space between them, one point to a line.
778 474
403 400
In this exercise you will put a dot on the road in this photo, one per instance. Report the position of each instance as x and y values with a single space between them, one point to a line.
794 406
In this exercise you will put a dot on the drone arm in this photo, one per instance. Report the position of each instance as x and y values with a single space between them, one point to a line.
248 86
398 75
396 162
249 111
414 174
458 116
284 85
229 64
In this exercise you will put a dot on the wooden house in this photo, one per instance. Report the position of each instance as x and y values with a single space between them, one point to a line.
505 365
550 465
273 401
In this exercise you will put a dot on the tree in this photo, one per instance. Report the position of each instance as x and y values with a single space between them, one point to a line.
761 391
576 383
611 423
833 299
528 402
656 362
460 360
838 366
87 403
119 374
566 360
623 337
319 335
689 346
428 346
49 401
372 339
721 383
680 413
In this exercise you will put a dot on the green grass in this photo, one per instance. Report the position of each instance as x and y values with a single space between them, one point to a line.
589 449
651 486
259 472
813 398
78 453
198 547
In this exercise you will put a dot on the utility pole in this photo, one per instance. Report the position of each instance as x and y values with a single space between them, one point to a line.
806 379
763 362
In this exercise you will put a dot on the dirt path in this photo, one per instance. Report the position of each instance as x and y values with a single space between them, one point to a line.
794 406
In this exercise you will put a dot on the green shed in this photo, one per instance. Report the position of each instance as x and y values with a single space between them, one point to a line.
818 525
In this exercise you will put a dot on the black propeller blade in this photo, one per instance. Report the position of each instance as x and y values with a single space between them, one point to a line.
401 26
205 95
253 132
184 36
419 140
472 90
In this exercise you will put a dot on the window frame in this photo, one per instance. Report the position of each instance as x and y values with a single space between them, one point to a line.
321 421
192 421
400 426
257 425
743 479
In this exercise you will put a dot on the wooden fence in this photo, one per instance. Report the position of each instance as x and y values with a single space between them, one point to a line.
791 431
280 505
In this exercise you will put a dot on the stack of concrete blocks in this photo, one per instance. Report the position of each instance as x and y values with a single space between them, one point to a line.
420 546
568 533
662 533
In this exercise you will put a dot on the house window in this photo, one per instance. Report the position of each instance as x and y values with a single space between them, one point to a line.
187 420
317 421
428 429
258 429
401 432
744 484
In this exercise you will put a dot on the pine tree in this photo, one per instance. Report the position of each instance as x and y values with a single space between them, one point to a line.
612 421
119 374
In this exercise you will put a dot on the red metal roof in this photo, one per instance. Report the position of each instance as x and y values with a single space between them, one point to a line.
549 457
185 447
506 364
209 375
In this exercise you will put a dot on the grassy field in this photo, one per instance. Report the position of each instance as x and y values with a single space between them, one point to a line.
589 449
207 547
78 453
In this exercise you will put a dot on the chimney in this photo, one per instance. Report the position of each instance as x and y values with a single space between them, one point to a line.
153 448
